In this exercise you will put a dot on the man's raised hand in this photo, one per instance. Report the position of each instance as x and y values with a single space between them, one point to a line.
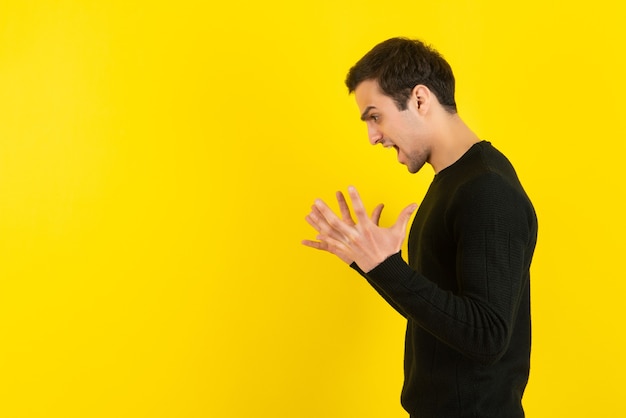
361 241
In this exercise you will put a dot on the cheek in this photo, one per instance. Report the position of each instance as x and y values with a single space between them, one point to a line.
408 140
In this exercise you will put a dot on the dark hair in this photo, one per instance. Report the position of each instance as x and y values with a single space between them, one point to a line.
400 64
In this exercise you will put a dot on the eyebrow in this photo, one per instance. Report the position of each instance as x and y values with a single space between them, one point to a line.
366 111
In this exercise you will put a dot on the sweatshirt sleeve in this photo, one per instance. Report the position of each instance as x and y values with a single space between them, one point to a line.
492 227
380 291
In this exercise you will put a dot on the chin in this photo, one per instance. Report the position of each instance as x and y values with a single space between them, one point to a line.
415 162
414 168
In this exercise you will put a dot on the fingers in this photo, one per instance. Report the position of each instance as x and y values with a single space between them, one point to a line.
344 209
331 229
357 204
317 220
376 214
333 222
324 246
313 244
359 239
318 245
403 218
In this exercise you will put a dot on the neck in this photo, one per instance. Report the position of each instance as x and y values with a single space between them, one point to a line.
454 139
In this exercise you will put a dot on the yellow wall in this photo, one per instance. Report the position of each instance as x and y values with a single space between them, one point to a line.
157 160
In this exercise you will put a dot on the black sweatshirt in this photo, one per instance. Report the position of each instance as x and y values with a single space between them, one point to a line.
465 291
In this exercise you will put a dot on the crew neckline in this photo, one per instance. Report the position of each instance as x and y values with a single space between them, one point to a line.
471 150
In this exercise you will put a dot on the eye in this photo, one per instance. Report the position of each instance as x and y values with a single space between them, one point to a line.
374 118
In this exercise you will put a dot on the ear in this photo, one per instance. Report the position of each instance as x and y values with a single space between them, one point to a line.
421 98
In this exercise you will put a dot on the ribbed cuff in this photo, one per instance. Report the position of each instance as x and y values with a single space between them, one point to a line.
392 272
356 267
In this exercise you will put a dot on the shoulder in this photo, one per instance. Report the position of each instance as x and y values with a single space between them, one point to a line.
484 193
482 182
492 201
487 172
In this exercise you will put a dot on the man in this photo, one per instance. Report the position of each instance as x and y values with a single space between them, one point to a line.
465 290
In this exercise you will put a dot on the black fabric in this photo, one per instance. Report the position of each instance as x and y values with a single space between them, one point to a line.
465 291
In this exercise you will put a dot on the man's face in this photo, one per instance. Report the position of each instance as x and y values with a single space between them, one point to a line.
402 130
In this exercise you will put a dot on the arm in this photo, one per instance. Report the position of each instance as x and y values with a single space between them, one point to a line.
493 237
380 291
494 243
338 242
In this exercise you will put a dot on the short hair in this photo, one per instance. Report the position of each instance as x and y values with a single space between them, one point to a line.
400 64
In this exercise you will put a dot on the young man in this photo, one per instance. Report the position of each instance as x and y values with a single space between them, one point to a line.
465 290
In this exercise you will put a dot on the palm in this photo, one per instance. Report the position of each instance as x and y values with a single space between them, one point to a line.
363 242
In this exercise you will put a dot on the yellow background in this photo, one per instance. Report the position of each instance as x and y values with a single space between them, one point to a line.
157 160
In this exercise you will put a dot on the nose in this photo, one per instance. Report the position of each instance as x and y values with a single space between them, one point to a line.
375 136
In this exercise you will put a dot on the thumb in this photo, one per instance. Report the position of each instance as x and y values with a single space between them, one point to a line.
403 218
376 213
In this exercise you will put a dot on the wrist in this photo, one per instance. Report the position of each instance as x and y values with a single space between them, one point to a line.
371 267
